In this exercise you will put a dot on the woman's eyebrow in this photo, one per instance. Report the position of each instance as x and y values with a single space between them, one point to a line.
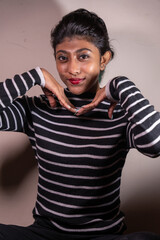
61 51
78 51
83 49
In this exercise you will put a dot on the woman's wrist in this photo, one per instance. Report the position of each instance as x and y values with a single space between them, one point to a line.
108 92
41 75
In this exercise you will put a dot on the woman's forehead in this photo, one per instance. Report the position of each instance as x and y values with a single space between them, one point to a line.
75 43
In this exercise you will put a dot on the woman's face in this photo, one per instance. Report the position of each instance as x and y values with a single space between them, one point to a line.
78 63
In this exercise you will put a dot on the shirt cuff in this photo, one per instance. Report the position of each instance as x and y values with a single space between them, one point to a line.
108 92
41 76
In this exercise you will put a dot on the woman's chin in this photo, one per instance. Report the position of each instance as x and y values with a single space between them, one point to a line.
76 90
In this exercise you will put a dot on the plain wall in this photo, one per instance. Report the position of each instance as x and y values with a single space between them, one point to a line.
134 31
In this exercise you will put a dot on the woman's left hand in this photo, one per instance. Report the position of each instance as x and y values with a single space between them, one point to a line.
99 97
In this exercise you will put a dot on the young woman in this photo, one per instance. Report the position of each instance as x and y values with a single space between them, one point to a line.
80 135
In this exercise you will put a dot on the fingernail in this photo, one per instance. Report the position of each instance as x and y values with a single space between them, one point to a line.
76 111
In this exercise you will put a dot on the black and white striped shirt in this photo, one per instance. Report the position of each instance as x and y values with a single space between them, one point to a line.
80 159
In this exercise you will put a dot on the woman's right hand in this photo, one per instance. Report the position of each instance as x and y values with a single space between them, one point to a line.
53 87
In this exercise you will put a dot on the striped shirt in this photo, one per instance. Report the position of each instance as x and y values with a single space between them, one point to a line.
80 159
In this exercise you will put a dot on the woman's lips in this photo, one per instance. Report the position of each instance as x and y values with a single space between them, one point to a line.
75 81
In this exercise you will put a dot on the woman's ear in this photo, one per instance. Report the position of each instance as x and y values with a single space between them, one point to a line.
105 60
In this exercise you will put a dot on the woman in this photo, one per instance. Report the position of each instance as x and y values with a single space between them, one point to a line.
80 135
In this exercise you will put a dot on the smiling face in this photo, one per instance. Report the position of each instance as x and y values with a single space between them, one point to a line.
79 63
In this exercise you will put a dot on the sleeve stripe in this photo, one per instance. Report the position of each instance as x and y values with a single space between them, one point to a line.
21 108
41 76
16 87
138 111
123 81
1 103
144 119
148 130
134 103
24 82
7 121
33 80
19 115
15 122
126 89
7 92
130 95
150 144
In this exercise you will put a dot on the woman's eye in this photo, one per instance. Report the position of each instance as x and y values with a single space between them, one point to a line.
62 58
83 56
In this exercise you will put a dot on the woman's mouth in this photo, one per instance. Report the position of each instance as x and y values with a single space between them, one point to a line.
75 81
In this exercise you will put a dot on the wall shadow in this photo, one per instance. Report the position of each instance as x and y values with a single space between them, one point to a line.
26 29
15 169
143 216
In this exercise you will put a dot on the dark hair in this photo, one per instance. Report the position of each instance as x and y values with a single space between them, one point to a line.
84 24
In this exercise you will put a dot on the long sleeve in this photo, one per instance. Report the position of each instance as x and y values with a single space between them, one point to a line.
143 131
12 108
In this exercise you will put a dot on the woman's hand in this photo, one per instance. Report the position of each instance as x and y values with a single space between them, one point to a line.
53 87
99 97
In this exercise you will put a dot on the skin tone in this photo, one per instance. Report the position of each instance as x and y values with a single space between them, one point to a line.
79 64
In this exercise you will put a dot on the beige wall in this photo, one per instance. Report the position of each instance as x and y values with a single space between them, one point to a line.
24 43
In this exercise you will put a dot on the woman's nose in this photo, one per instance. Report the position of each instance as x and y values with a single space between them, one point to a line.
73 67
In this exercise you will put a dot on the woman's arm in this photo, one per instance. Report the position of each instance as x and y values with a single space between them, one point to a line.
18 86
143 121
143 130
13 109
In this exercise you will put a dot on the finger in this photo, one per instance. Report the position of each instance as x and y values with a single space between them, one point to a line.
84 109
88 107
111 109
67 105
46 91
100 96
52 101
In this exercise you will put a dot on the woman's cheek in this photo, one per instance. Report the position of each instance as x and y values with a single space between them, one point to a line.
92 69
